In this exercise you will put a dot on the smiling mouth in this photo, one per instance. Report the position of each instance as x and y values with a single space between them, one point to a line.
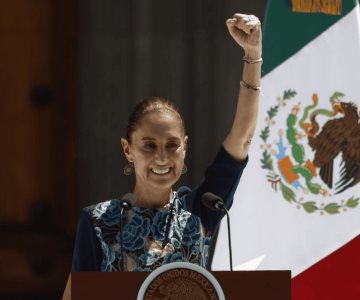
162 171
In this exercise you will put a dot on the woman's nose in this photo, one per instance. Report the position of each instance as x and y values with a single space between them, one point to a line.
162 154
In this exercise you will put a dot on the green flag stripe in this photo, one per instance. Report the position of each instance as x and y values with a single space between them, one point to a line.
286 32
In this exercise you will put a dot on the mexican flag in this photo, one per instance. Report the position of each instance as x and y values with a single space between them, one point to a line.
297 205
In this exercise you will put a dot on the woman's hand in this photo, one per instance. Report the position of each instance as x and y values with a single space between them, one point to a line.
246 31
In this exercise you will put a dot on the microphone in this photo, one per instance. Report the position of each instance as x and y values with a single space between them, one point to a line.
126 203
212 201
216 203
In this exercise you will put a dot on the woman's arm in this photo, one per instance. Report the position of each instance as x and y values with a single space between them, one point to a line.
246 31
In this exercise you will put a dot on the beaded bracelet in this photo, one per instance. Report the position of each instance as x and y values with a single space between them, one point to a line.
252 61
249 86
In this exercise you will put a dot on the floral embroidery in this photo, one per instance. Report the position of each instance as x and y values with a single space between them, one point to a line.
134 233
191 231
174 257
108 212
149 258
109 257
176 243
143 233
158 228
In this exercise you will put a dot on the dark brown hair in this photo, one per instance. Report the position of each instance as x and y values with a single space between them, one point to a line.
150 104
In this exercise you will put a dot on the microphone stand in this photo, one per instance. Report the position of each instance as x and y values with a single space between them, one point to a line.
125 206
126 203
229 236
122 236
216 203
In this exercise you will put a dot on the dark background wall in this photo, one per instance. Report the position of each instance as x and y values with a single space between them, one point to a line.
71 71
176 49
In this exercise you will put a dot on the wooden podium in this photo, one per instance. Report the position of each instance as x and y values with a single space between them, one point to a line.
249 285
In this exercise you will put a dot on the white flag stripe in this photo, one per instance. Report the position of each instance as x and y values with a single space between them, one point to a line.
250 265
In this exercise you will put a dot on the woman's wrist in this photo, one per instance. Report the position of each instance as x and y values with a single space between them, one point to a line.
252 54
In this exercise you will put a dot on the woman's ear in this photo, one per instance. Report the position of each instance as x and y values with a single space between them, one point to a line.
186 138
126 148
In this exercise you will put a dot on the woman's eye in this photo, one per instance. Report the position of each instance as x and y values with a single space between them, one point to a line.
172 146
150 146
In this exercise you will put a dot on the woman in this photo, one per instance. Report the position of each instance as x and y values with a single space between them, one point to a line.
166 225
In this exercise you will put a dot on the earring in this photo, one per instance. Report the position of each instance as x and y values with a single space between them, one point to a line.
184 170
129 168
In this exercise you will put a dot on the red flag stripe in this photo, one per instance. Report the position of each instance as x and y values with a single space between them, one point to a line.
336 277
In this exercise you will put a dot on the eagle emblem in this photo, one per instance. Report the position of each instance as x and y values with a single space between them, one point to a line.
312 155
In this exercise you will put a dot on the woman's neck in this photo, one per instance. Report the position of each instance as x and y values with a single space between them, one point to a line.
152 198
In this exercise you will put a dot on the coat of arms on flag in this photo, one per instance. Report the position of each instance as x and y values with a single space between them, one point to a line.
299 153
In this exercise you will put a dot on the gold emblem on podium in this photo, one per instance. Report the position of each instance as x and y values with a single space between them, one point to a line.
178 281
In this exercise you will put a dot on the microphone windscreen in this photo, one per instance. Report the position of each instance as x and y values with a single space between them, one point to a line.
212 201
128 200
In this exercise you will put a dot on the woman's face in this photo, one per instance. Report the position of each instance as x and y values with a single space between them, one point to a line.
157 149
